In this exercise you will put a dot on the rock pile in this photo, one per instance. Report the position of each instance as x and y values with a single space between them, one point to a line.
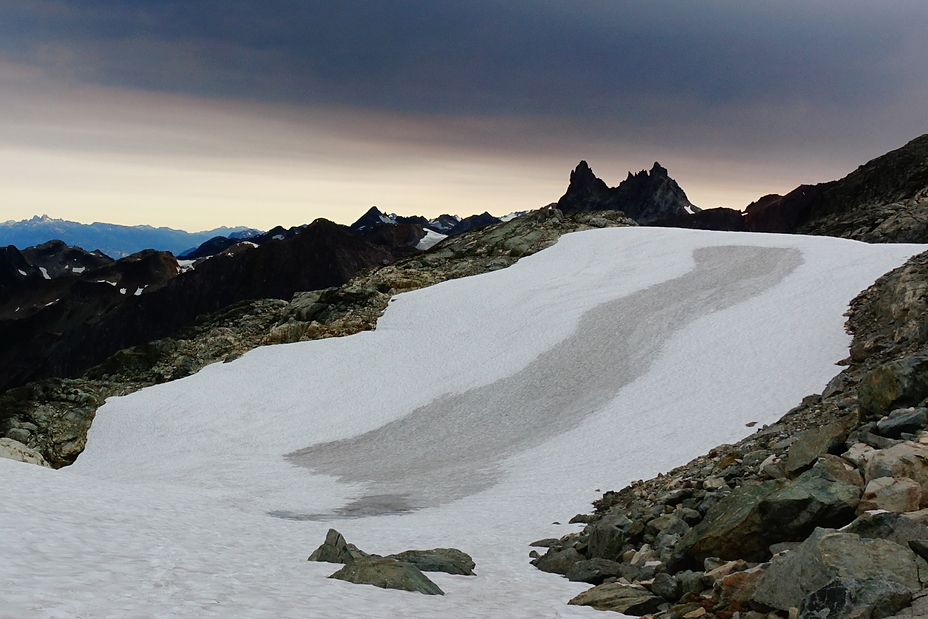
821 514
400 571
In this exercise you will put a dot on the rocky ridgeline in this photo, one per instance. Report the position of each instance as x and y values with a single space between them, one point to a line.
822 514
50 418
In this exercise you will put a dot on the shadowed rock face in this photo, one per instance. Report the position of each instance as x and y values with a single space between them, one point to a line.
86 321
645 197
452 447
882 201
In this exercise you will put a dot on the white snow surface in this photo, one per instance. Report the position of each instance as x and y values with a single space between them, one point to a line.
45 273
430 239
168 512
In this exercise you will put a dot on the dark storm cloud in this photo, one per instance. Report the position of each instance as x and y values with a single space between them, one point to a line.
591 58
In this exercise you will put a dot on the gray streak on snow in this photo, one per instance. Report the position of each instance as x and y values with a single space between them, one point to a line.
453 446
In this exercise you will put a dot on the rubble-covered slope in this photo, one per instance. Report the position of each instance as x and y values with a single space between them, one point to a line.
784 519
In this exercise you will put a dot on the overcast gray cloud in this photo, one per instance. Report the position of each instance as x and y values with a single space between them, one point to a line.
824 85
605 58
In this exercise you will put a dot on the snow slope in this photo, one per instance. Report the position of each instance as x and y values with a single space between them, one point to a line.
612 356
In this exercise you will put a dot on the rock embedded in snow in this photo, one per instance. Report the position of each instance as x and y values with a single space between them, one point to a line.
14 450
387 573
449 560
335 549
620 597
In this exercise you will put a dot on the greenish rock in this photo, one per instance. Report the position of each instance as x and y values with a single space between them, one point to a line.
593 571
335 549
853 599
558 561
817 442
450 560
621 598
828 555
733 528
893 385
387 573
608 537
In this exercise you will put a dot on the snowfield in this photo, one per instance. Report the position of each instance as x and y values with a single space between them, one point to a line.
480 411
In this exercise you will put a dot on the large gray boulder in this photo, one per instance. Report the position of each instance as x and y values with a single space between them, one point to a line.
854 599
387 573
745 523
907 459
827 556
450 560
336 550
898 528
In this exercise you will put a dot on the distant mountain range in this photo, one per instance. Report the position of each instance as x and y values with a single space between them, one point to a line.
113 240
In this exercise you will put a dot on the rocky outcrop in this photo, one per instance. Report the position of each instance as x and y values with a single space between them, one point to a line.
646 197
387 573
726 219
52 416
471 223
882 201
400 571
783 521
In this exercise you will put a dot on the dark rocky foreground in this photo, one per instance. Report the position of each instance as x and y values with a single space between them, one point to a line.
822 514
51 416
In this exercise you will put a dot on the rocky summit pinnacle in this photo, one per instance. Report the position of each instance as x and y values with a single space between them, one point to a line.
645 197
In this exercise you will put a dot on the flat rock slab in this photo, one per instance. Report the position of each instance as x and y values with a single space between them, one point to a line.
622 598
450 560
387 573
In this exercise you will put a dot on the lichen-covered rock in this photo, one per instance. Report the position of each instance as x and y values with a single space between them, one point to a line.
387 573
899 383
450 560
828 555
845 598
335 549
619 597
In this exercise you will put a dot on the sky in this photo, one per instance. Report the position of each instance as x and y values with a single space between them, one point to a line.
200 113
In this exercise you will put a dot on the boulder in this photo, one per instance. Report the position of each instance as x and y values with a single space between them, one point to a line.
558 561
336 550
608 537
594 571
829 555
903 420
751 518
739 587
844 598
733 528
14 450
893 494
450 560
620 597
812 444
900 383
899 528
906 459
388 574
666 586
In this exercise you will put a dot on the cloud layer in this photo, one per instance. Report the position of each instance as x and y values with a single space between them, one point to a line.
814 87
